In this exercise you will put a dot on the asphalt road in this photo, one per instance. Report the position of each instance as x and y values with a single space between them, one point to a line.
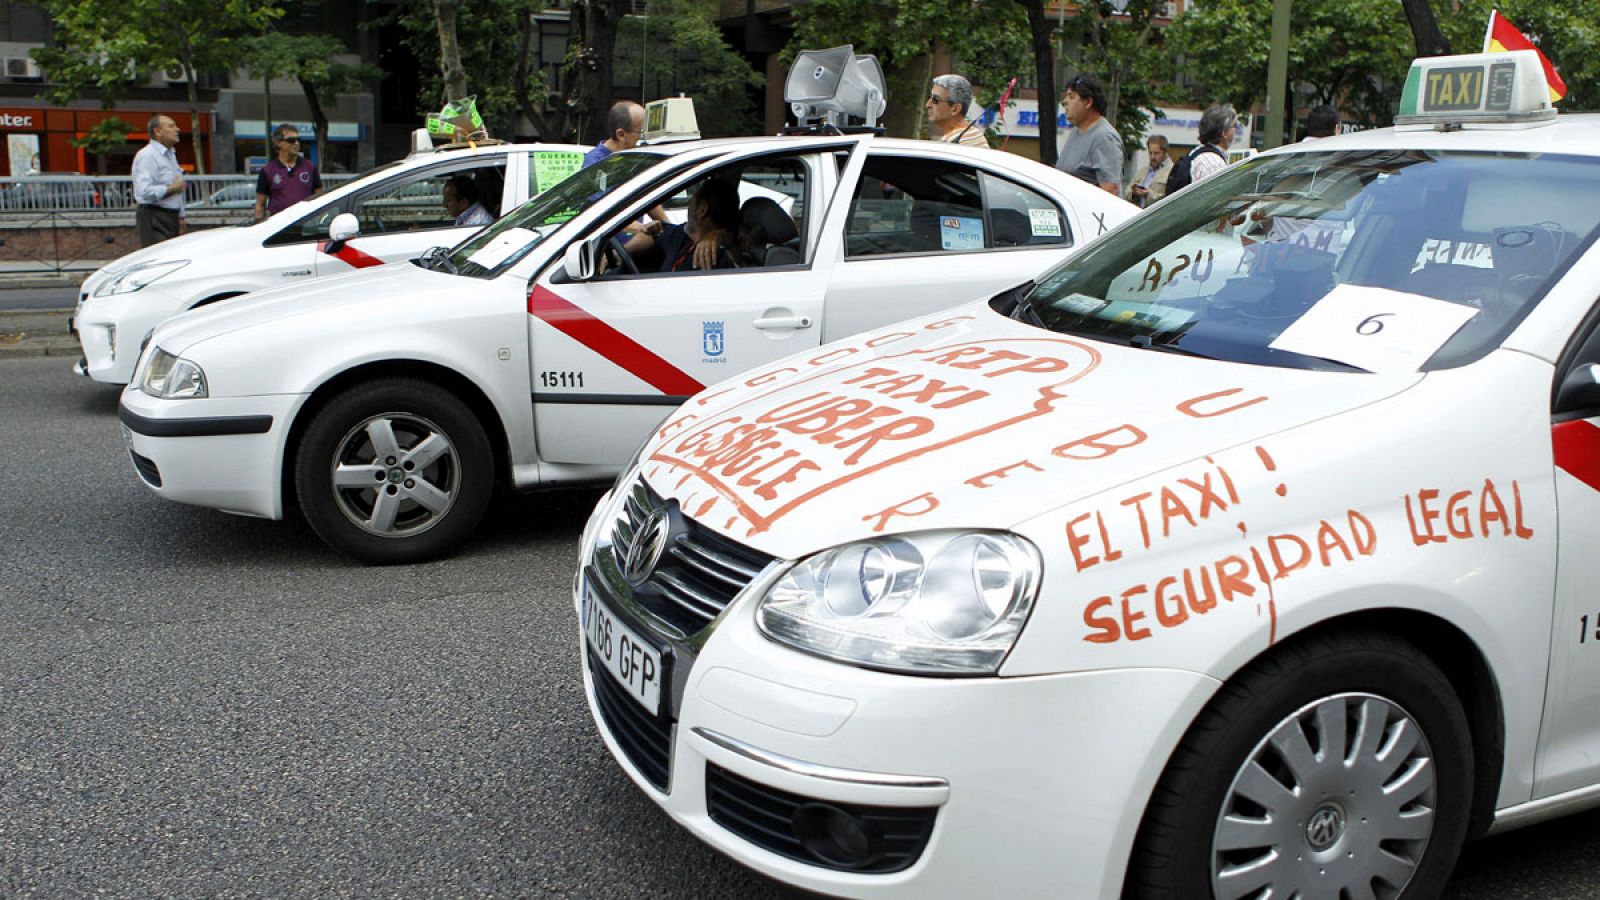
193 704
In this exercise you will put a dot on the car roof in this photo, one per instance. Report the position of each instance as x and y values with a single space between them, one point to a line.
1575 134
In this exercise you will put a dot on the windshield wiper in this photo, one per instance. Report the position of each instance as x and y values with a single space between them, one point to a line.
1146 342
437 259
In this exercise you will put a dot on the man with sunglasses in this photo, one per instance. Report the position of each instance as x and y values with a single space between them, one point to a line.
287 178
948 102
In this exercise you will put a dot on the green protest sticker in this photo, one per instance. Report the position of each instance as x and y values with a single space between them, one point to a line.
550 169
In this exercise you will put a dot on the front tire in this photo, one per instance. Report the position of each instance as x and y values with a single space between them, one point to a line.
1338 766
394 471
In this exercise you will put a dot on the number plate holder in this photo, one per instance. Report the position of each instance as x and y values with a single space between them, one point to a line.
636 664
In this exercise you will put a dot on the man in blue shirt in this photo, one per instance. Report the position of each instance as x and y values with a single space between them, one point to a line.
158 184
624 125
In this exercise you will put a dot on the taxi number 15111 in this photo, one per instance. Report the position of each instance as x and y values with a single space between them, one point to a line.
630 660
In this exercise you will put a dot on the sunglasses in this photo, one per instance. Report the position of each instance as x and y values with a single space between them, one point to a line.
290 140
935 98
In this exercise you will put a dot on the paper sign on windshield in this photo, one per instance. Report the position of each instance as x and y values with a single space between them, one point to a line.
1374 328
550 169
500 249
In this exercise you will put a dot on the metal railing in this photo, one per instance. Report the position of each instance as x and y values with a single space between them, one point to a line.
58 224
114 193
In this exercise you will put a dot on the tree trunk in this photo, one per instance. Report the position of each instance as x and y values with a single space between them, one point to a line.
1425 29
455 76
194 118
1044 68
319 118
595 29
266 92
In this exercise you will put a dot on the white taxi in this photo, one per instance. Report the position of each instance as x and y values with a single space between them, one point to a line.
398 211
1248 554
385 404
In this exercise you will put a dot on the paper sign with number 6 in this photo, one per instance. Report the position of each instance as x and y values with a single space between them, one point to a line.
1374 328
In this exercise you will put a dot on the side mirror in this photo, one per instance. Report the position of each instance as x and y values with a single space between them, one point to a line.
1580 390
343 227
579 261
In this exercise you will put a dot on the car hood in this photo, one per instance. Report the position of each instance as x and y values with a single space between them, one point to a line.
194 246
377 285
962 420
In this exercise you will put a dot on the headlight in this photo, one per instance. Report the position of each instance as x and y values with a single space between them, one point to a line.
937 603
137 276
172 377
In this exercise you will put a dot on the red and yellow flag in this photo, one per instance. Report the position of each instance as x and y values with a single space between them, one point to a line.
1503 36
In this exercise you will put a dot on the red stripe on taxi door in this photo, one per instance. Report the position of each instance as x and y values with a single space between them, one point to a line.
610 343
1577 450
352 256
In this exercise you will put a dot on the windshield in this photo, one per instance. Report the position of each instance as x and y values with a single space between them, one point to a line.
501 245
1377 260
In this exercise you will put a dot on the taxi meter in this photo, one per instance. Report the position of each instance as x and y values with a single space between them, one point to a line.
1448 91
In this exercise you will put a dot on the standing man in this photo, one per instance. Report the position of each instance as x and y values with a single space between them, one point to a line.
158 184
1093 150
1216 136
948 102
287 178
624 125
1150 180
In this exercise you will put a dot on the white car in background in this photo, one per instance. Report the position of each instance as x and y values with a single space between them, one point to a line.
399 213
385 404
1249 554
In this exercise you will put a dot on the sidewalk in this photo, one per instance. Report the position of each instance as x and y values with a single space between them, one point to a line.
36 332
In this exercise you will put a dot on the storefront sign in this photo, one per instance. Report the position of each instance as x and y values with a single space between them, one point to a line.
17 120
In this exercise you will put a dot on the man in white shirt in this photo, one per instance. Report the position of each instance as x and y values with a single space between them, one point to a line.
461 199
158 184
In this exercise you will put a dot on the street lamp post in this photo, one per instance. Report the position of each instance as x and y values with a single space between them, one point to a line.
1277 72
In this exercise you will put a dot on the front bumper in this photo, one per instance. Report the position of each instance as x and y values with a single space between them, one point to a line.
1032 785
112 330
225 453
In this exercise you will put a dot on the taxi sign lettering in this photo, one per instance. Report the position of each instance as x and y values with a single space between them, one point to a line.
1454 89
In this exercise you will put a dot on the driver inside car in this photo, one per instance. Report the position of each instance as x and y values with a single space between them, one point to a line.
709 240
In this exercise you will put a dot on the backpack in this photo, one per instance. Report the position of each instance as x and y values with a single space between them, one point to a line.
1181 176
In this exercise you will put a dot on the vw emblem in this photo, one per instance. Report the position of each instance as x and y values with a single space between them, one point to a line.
639 559
1325 828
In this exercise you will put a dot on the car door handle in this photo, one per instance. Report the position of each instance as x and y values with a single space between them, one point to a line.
770 322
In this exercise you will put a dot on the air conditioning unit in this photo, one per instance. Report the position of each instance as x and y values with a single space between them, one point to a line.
175 75
22 68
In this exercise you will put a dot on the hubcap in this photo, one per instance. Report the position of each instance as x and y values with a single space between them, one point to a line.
1337 800
395 475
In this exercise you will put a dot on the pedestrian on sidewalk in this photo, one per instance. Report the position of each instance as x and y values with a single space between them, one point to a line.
624 127
1093 151
288 177
948 102
158 184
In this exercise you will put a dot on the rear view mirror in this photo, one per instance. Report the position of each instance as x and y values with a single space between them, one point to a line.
343 227
579 261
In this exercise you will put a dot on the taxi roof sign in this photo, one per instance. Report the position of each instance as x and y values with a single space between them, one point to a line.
1446 91
668 120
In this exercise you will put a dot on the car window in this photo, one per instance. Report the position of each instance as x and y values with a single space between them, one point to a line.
759 207
909 205
1021 217
417 203
1225 267
499 246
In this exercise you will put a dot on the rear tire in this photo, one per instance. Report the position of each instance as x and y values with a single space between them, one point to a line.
1338 765
394 471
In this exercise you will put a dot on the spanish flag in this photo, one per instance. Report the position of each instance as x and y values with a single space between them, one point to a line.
1503 36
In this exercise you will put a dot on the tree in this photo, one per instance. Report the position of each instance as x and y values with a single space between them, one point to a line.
105 136
454 75
1564 32
987 40
1044 73
681 38
268 56
102 41
1349 53
1425 28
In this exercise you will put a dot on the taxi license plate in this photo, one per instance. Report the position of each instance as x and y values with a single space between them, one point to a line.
629 659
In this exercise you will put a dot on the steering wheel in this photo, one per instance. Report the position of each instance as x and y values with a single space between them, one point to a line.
624 259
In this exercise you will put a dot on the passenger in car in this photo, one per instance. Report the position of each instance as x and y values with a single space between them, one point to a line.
709 240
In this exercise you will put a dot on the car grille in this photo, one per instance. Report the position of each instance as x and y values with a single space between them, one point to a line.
146 467
699 572
767 817
645 739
